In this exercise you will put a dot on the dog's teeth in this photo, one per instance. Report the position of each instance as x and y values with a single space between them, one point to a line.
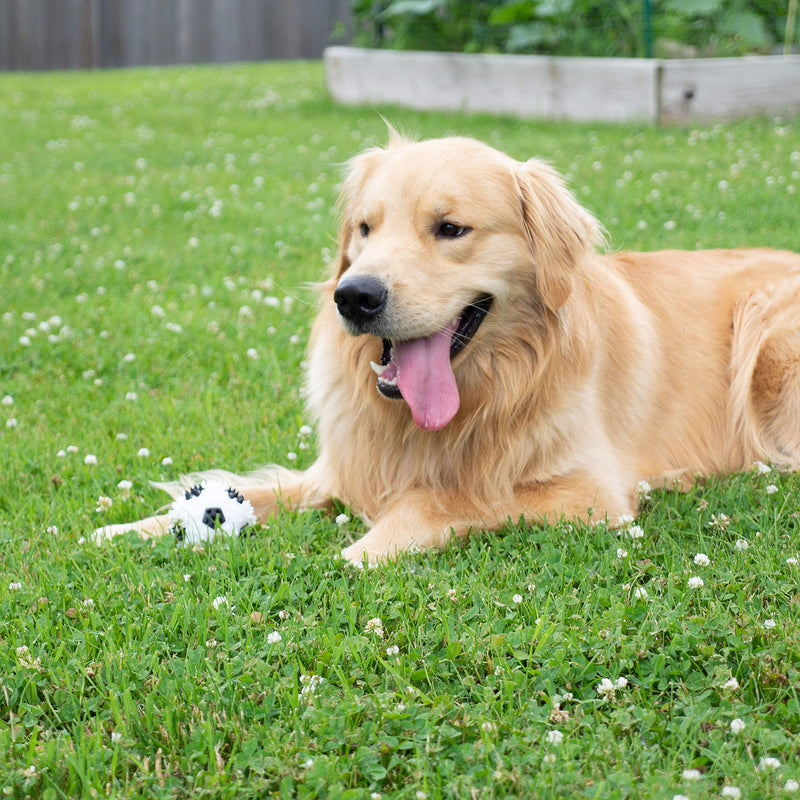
392 382
377 368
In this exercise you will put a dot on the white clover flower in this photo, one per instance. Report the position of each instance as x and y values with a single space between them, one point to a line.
103 504
742 544
692 774
52 530
606 689
737 726
731 685
7 400
219 601
116 737
166 461
283 614
731 791
771 489
695 582
310 684
791 785
636 532
516 599
291 456
624 520
143 452
487 727
125 489
719 521
554 738
90 459
643 489
769 624
14 586
375 626
274 637
640 593
452 595
702 560
761 468
621 683
392 650
342 519
768 763
11 422
622 553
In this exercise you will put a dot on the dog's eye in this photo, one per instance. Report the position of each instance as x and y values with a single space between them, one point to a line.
364 229
449 230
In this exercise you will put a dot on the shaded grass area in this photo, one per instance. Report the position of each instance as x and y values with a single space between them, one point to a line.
160 229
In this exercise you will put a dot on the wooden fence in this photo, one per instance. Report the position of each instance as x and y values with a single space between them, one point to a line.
69 34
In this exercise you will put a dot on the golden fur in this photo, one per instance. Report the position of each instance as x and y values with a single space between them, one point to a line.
589 373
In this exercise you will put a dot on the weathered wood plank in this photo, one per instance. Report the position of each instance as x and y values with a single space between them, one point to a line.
718 88
545 87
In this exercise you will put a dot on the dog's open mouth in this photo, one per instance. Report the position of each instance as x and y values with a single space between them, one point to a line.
419 370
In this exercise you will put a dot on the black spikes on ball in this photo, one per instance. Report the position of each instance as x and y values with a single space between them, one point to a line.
237 496
193 492
178 531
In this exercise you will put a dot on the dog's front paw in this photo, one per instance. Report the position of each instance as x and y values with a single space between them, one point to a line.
354 555
378 548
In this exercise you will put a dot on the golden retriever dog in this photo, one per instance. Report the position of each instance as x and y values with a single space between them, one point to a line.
475 360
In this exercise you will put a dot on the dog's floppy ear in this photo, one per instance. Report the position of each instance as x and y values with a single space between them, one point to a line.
561 233
357 172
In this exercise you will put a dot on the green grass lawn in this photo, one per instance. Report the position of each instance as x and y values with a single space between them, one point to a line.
158 231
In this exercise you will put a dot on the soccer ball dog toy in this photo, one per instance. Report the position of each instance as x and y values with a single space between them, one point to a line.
207 509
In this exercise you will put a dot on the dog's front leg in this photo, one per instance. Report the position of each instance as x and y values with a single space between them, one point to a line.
417 519
425 519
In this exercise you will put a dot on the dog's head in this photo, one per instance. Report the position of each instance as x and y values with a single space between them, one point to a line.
438 238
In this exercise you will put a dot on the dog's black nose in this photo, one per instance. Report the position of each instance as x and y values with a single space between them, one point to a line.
360 298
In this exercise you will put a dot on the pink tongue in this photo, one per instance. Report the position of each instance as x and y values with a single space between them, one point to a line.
425 379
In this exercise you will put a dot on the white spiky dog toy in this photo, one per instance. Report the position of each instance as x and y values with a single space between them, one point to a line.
208 509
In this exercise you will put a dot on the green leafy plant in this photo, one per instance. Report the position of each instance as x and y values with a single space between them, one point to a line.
576 27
